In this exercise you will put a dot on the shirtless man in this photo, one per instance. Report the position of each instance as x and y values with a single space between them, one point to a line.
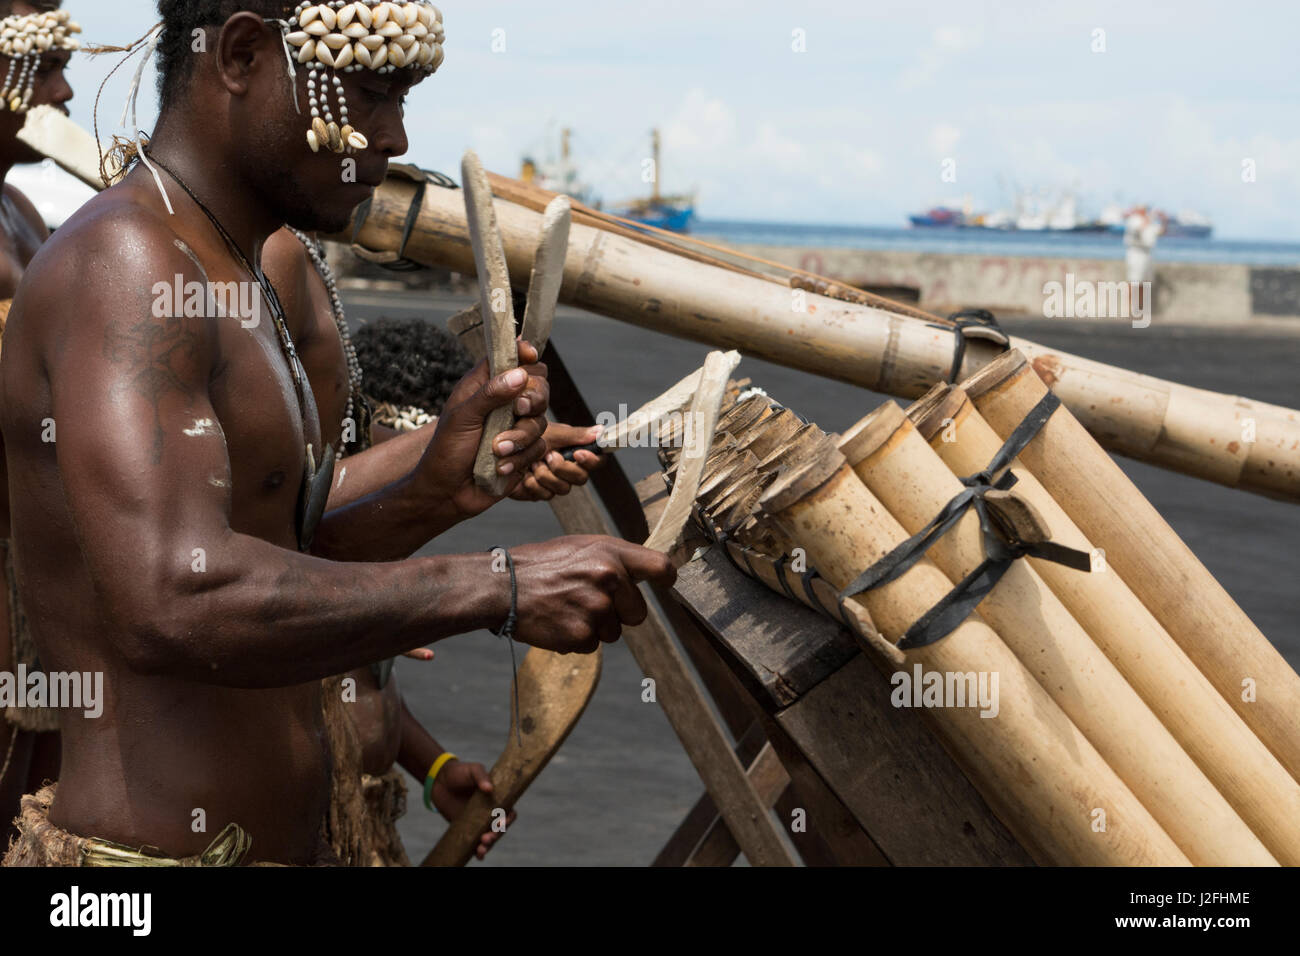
29 745
164 522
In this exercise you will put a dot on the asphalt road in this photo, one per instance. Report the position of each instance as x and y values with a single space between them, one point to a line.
621 784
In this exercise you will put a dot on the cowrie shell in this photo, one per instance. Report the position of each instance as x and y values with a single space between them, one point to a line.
343 57
379 58
316 28
373 43
379 15
321 130
328 16
390 30
308 52
356 32
346 16
336 41
361 53
396 55
307 16
313 141
336 139
357 141
298 38
411 14
364 16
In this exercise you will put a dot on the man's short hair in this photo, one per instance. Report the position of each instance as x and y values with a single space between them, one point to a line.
181 18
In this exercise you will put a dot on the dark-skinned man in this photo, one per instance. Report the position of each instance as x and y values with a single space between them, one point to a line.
167 523
29 745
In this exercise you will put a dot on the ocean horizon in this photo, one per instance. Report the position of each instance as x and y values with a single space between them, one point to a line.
951 241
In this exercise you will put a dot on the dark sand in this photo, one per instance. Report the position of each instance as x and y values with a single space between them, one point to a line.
622 783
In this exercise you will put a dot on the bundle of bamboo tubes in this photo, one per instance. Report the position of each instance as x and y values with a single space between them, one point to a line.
1118 738
727 300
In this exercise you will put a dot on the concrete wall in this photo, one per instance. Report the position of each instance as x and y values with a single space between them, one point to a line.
1012 285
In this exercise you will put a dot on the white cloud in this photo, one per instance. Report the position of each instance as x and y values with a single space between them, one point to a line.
943 138
946 43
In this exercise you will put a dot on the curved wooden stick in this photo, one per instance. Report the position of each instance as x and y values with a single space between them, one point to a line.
553 692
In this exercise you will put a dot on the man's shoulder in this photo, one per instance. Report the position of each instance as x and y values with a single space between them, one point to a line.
26 208
112 241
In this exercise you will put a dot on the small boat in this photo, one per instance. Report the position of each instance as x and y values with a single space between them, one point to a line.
674 213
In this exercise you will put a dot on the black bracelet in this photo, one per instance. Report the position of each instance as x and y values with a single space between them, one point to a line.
508 632
508 628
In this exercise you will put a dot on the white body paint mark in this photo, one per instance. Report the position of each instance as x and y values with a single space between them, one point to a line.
343 473
202 427
218 483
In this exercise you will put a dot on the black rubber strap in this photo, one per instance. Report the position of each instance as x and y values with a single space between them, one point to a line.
942 619
785 582
963 320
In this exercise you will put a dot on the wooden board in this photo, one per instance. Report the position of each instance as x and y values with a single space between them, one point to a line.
781 647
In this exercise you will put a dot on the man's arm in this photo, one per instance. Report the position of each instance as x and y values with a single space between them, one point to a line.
147 489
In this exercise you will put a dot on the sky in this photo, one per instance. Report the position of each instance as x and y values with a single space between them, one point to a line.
856 112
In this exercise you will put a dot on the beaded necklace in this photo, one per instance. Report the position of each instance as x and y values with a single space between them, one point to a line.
356 401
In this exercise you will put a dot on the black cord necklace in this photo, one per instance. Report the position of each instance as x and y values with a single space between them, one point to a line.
317 475
268 291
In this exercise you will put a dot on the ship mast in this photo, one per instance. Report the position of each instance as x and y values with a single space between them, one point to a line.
654 139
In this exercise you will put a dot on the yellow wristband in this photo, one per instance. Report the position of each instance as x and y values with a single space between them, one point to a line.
432 776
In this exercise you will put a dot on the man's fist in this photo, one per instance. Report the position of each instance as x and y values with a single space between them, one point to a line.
579 591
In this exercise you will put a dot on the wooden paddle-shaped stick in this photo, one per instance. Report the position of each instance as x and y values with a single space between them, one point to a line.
498 309
553 689
548 273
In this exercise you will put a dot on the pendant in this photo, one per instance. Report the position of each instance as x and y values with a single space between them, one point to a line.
314 495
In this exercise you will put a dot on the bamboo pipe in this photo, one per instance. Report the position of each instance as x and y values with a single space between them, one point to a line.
1162 571
1237 763
1030 762
690 297
900 468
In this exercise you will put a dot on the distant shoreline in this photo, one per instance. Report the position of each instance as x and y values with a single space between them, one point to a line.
995 242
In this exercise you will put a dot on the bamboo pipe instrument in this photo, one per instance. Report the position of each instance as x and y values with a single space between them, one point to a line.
1030 762
1162 571
497 303
900 468
691 297
1237 763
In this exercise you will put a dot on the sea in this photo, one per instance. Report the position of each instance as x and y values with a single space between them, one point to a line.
984 242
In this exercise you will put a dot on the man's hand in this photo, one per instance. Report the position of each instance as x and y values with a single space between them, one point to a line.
446 471
553 475
456 783
579 591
